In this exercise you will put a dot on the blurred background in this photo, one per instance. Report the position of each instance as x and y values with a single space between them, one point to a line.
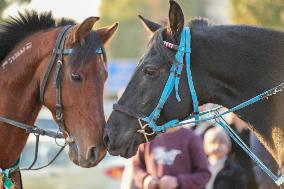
123 52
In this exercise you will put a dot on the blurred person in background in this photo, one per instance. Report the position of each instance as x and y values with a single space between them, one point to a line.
127 180
225 173
174 160
237 153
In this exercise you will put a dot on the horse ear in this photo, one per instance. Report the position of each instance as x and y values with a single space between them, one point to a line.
149 25
176 19
106 33
80 31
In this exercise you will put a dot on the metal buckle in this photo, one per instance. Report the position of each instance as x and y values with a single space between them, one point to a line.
99 50
59 62
68 139
58 144
59 117
143 131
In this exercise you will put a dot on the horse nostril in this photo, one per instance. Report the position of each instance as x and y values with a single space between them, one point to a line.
106 140
93 154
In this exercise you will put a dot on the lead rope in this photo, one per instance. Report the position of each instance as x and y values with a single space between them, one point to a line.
222 122
30 168
262 96
51 161
36 152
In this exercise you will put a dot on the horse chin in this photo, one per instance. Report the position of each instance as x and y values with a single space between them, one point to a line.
126 152
131 151
86 164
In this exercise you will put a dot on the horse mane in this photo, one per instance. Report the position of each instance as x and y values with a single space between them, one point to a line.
198 22
16 28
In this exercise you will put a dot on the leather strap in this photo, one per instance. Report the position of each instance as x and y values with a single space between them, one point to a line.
128 111
52 61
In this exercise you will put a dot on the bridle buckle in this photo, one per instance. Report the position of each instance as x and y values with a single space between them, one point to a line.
59 117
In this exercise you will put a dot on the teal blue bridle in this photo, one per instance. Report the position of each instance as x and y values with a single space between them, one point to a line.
183 51
173 84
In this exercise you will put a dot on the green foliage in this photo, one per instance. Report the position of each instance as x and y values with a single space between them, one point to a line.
131 38
268 13
5 3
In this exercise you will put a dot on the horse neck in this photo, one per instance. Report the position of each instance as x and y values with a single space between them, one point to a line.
237 64
19 85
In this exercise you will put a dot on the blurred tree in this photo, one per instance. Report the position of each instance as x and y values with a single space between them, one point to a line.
5 3
268 13
131 38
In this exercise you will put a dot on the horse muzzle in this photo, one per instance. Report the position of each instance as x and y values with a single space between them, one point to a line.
93 155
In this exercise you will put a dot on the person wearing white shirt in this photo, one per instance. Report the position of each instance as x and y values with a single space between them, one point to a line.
225 173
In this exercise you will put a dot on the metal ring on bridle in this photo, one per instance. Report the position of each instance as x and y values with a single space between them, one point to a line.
59 117
60 145
143 131
59 62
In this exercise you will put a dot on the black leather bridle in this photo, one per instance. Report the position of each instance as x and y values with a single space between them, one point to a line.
57 56
58 53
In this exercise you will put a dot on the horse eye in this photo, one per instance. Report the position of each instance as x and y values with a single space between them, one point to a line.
150 70
76 77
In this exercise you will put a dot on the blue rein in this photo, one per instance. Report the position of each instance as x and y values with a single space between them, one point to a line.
184 50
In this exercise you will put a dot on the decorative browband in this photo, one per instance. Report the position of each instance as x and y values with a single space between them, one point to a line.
170 45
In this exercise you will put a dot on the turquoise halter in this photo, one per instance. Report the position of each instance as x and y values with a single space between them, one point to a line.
173 84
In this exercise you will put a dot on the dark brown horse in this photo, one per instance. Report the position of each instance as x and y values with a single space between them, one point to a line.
26 47
229 64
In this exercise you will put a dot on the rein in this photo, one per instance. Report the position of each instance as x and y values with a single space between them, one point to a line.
184 49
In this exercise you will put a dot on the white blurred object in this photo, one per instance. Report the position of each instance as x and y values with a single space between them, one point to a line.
219 11
202 126
77 10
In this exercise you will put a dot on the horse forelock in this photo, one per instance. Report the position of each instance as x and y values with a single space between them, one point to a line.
198 22
88 49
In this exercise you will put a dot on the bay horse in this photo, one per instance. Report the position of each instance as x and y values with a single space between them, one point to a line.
229 63
27 44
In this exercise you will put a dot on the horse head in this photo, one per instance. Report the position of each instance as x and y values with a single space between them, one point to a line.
144 89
